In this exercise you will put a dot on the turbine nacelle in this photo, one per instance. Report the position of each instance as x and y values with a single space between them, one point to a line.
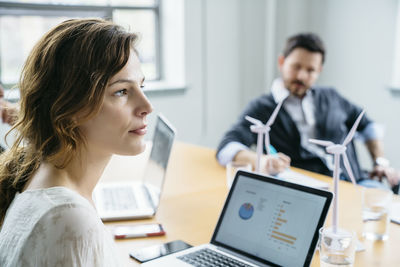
260 128
336 149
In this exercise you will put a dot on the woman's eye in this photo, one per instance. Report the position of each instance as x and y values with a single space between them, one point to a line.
121 92
142 86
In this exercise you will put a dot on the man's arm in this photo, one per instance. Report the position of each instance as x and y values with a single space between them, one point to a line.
381 167
270 164
375 148
247 156
228 152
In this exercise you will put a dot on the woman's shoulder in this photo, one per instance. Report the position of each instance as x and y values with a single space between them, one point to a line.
61 210
65 228
37 211
68 219
73 232
56 196
66 206
39 204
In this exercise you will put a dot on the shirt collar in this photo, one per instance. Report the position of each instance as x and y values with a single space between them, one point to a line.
279 92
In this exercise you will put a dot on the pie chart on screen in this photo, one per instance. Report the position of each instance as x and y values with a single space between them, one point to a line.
246 211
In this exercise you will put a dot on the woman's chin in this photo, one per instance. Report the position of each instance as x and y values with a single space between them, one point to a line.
138 149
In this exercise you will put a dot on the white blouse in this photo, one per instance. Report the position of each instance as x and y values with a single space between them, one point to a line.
54 227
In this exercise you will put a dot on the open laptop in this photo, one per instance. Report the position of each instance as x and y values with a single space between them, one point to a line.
264 222
133 200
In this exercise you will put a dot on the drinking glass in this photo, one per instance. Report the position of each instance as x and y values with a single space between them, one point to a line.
376 205
336 248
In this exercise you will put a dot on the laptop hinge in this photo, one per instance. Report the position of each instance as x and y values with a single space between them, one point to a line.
150 196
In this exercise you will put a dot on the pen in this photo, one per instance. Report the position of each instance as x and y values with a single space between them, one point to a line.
137 235
272 151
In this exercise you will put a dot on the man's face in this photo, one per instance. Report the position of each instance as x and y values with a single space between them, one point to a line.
299 70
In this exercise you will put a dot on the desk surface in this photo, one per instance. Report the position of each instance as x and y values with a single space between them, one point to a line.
195 191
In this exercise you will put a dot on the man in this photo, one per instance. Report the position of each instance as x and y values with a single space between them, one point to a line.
307 112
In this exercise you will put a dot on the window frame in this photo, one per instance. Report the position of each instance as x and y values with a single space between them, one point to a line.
74 10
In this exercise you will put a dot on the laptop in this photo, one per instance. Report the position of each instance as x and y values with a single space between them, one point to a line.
134 200
264 222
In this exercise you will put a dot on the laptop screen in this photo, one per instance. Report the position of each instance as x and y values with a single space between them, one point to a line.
156 167
272 221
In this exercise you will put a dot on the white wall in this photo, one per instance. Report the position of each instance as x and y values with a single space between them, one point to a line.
224 46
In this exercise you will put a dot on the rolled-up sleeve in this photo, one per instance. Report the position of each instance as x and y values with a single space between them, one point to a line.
228 152
373 131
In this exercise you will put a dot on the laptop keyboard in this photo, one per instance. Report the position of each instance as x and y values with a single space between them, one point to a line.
119 198
209 258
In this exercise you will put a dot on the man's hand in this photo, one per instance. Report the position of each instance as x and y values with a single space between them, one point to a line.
270 164
8 110
390 173
273 164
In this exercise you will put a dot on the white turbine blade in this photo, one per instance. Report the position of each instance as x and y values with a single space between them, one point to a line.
348 168
353 129
254 121
267 143
321 142
274 114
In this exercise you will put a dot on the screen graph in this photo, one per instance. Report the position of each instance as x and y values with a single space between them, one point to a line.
280 231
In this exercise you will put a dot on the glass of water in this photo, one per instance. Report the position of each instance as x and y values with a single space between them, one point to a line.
336 248
376 205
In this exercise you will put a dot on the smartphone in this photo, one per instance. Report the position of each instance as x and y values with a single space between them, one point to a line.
138 230
154 252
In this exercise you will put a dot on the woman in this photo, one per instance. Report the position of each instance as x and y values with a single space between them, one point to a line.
81 102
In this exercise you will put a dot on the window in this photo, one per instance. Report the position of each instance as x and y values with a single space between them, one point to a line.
395 84
22 23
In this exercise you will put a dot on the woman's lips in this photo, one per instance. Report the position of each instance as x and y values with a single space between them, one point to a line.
140 131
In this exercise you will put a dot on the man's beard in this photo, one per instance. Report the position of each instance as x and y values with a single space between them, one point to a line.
297 88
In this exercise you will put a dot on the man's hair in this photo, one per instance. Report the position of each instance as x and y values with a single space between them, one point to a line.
62 86
308 41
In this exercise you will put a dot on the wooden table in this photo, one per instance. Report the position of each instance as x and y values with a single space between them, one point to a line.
195 191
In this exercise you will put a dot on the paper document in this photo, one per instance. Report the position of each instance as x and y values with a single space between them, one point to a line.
298 178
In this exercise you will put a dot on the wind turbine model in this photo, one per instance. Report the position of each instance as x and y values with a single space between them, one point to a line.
259 128
339 150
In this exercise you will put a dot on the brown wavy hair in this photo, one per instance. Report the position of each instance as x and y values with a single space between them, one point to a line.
62 85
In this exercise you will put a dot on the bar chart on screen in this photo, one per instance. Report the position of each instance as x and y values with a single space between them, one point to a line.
280 232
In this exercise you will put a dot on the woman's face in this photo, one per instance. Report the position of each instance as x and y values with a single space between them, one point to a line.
120 125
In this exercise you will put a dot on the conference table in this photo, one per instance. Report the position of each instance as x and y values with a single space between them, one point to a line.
194 193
